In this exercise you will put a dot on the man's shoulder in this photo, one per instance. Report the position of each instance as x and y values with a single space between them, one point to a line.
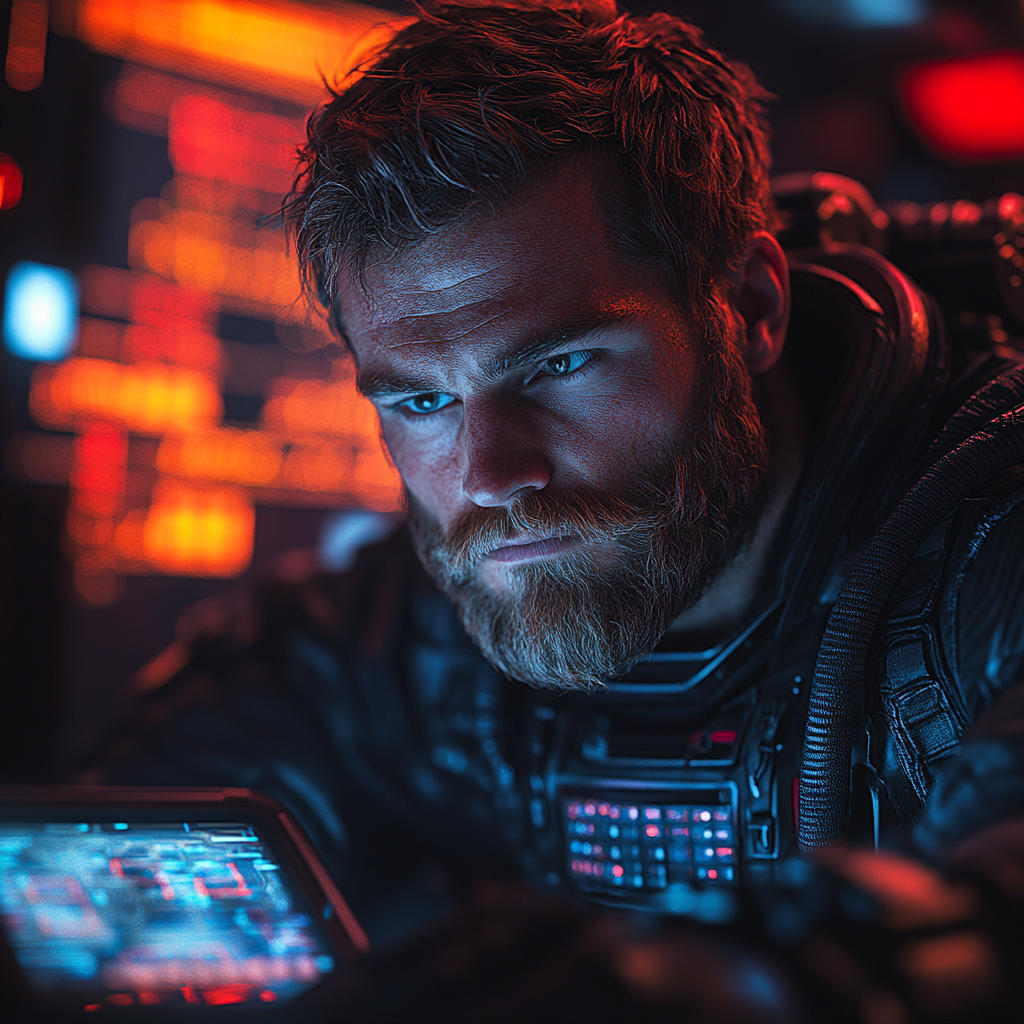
349 608
952 633
983 605
267 662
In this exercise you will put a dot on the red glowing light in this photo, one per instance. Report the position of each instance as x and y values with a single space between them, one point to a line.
226 994
268 996
209 139
10 182
726 736
968 108
98 475
712 873
220 891
618 870
158 303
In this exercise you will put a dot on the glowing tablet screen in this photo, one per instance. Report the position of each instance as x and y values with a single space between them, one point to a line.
129 913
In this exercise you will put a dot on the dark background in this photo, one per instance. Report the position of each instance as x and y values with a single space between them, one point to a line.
65 668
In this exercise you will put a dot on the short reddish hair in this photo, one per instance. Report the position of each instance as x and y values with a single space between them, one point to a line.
466 103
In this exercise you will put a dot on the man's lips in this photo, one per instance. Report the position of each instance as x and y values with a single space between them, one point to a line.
532 549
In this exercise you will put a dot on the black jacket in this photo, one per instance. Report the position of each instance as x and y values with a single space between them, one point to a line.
358 700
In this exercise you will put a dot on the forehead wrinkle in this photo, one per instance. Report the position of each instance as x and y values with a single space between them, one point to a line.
476 327
455 305
424 289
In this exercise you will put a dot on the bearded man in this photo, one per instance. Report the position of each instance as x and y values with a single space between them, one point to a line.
637 476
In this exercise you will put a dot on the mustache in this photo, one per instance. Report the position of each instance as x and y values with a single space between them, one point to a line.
584 514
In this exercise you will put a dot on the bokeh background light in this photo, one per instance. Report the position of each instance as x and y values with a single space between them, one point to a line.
40 311
968 108
149 363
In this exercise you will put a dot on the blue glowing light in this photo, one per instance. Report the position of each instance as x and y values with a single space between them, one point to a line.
885 13
40 311
859 13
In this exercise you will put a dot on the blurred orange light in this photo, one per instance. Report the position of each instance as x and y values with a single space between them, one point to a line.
320 407
10 182
237 456
148 399
968 108
199 533
341 473
277 48
318 467
250 269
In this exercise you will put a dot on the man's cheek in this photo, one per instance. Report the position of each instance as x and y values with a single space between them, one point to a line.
430 471
406 449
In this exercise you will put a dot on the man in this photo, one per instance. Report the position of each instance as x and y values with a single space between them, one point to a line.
637 476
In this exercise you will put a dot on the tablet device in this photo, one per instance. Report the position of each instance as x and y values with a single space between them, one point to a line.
164 903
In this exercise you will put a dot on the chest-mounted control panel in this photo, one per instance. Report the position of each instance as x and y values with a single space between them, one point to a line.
639 846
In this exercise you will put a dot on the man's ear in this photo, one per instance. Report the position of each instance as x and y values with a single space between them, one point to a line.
759 290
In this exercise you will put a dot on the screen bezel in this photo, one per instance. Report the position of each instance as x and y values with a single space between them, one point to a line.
315 891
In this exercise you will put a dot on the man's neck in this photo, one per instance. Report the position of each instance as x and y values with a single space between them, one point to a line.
730 597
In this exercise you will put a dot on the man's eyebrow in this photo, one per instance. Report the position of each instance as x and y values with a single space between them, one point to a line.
381 385
555 339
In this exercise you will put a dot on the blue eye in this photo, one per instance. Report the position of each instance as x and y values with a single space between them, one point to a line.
422 405
568 362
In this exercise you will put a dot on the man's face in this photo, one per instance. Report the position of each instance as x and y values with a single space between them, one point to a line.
539 395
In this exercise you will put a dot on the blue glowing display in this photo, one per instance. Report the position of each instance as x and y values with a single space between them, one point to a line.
40 312
174 913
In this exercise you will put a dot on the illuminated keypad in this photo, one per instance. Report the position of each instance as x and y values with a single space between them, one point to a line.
622 847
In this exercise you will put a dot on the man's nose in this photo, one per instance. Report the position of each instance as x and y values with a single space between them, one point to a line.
503 456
